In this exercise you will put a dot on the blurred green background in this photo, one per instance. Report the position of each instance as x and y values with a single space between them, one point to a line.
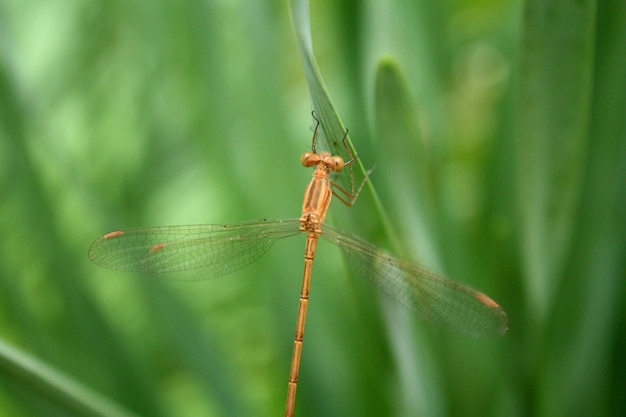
499 138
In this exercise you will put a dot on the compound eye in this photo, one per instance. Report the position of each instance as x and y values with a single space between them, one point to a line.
305 159
337 163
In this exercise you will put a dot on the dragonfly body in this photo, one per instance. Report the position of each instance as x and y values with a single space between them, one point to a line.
315 204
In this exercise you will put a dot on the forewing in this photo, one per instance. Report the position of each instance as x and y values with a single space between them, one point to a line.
191 251
431 296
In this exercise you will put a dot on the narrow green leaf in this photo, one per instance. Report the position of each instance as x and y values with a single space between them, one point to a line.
331 130
58 389
553 118
405 167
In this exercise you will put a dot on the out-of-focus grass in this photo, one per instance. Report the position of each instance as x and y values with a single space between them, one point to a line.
499 140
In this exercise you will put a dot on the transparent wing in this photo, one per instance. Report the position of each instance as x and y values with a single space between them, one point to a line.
431 296
196 251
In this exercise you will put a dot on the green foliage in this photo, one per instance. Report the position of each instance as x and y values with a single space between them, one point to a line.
498 136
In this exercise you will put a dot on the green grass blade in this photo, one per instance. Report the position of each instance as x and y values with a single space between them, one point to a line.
553 118
51 389
585 328
331 129
405 166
